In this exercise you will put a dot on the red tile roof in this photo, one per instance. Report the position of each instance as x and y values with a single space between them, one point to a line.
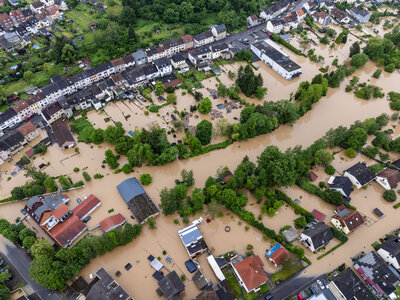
26 128
60 211
319 216
300 12
279 255
392 176
352 219
251 272
20 105
187 38
111 221
83 208
63 233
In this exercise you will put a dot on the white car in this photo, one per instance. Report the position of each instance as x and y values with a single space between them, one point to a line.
321 285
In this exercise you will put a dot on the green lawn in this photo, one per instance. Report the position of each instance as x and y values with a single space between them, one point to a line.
146 29
81 18
16 87
288 268
114 7
236 288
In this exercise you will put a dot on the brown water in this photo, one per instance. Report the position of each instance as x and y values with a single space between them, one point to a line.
338 108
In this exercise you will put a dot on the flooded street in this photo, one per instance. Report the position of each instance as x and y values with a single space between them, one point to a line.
338 108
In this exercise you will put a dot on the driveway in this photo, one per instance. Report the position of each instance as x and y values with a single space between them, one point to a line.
21 262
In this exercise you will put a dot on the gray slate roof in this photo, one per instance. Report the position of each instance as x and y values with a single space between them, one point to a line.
171 285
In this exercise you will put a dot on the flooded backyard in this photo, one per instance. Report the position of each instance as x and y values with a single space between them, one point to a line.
337 108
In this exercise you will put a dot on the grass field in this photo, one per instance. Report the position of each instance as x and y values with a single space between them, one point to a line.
114 7
16 87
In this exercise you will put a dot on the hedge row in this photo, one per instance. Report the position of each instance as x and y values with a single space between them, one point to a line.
331 250
9 199
396 205
339 235
282 196
280 40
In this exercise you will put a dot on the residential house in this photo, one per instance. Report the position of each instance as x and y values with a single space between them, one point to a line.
26 41
276 59
86 207
79 81
170 80
219 291
2 30
14 2
347 285
346 219
52 112
62 84
137 199
21 32
219 32
12 142
220 50
52 92
199 55
112 222
129 61
30 25
29 131
301 14
388 178
374 271
321 17
250 273
37 205
37 7
53 12
163 66
67 105
34 102
341 184
310 6
48 2
360 14
277 254
389 251
151 72
360 175
118 64
339 15
187 40
173 46
66 232
118 80
6 21
253 20
100 72
290 235
192 239
316 235
27 13
23 109
104 287
178 61
135 77
17 17
6 45
9 118
155 53
275 25
171 286
275 10
291 21
61 4
202 39
63 134
139 56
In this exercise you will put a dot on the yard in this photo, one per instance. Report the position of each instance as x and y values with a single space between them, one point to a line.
237 289
289 267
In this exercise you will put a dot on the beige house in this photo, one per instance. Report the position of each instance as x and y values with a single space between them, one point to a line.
52 112
29 131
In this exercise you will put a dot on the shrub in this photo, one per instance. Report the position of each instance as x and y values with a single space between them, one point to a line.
377 73
396 205
389 196
76 169
64 183
127 168
330 170
351 153
86 176
339 235
98 176
78 184
146 179
205 106
300 222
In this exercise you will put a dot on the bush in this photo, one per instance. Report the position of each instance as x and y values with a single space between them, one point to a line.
76 169
65 184
78 184
339 235
127 168
98 176
146 179
300 222
396 205
86 176
351 153
377 73
330 170
389 196
205 106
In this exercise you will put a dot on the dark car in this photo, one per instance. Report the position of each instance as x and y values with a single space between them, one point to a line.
23 212
87 219
268 297
2 262
312 291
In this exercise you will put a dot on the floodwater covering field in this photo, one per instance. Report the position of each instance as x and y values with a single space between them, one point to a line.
337 108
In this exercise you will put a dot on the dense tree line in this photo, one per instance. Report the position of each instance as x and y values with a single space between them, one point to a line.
40 183
249 83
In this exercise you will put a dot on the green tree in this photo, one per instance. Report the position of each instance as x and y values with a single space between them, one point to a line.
323 157
50 184
197 199
4 292
97 136
357 138
68 54
354 49
111 159
359 60
159 87
205 106
204 132
300 222
389 195
112 134
28 75
146 179
152 223
4 276
42 248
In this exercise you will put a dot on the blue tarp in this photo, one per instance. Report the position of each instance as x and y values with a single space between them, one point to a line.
190 237
130 188
273 249
220 106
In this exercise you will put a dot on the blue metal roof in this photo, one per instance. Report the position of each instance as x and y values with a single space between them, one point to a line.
192 236
272 250
130 188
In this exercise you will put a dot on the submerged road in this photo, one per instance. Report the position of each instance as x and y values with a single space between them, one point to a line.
21 262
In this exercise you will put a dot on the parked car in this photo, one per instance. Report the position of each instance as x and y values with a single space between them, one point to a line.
79 200
27 119
87 219
312 290
23 212
321 285
84 197
300 297
268 297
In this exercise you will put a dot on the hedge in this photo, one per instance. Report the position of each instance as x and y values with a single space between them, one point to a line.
282 196
339 235
9 199
280 40
331 250
396 205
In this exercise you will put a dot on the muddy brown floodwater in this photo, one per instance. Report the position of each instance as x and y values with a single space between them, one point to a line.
337 108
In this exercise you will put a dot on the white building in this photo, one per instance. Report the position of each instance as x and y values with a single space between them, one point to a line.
163 66
360 175
389 251
277 60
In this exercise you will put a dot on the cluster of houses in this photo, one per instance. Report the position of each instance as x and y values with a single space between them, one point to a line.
278 19
18 25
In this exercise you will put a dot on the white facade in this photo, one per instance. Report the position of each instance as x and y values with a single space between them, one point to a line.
383 182
353 180
10 122
307 241
199 43
275 29
389 258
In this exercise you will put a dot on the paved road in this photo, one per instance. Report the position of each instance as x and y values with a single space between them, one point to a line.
22 263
